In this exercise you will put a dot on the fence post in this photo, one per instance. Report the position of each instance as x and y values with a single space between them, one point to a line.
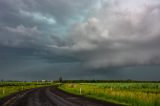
3 91
80 90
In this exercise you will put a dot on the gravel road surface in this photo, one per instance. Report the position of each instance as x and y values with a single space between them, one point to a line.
51 96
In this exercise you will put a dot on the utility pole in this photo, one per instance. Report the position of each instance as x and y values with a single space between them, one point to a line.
60 78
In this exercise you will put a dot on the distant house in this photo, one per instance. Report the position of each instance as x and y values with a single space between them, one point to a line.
43 80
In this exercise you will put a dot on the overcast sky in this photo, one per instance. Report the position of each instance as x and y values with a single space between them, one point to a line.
81 39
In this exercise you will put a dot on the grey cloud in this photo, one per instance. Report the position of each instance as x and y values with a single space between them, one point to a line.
43 22
116 37
46 15
20 36
95 36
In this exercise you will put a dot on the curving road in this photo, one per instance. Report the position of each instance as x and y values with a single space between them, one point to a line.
52 96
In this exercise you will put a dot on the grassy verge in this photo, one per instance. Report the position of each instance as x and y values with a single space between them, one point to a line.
135 94
8 88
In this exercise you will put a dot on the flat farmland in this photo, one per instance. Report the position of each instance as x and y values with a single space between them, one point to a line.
135 94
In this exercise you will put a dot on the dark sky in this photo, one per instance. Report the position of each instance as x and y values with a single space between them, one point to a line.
81 39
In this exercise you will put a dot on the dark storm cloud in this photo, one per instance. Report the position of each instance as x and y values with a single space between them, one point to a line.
39 23
79 36
48 14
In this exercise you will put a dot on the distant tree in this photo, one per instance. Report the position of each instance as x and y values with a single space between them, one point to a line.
2 80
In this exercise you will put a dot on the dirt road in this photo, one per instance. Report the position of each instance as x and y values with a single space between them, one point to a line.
52 96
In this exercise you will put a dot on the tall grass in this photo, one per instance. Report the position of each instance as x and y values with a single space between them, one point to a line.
7 88
135 94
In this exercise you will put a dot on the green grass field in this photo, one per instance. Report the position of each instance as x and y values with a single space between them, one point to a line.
135 94
7 88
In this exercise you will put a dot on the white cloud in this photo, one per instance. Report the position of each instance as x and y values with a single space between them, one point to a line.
38 17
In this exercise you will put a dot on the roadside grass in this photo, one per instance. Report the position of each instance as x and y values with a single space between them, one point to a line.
134 94
8 88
